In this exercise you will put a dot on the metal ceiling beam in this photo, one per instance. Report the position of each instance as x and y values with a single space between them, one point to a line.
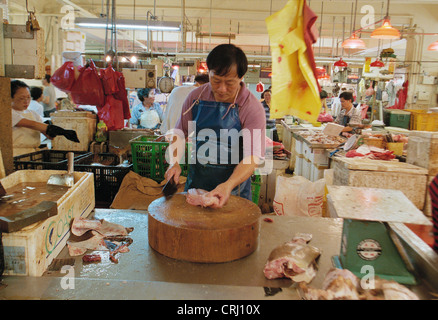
88 14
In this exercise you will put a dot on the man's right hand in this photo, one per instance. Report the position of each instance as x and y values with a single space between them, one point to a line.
173 171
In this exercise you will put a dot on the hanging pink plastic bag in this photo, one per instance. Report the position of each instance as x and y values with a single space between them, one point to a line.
112 114
64 77
109 80
88 89
325 117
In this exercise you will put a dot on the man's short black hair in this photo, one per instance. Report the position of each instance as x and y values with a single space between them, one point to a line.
346 95
224 56
36 93
17 84
202 78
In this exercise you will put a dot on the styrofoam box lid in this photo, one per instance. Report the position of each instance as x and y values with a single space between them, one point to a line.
399 112
76 114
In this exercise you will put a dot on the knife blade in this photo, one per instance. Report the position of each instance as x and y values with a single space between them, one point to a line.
170 188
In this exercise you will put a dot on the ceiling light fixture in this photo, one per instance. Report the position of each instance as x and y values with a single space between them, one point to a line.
354 42
126 24
340 63
433 46
377 63
386 31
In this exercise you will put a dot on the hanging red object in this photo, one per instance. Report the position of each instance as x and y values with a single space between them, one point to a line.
377 63
260 87
341 63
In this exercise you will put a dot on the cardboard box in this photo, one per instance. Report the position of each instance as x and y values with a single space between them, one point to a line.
30 251
135 78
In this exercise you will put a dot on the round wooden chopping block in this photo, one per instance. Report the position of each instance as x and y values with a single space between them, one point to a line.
182 231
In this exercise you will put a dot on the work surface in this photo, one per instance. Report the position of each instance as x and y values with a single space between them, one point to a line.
143 273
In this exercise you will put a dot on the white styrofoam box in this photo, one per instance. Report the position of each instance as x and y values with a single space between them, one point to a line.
430 80
306 168
83 122
298 170
317 171
307 150
422 150
319 156
299 146
30 251
408 178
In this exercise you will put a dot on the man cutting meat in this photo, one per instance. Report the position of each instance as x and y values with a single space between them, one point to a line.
223 107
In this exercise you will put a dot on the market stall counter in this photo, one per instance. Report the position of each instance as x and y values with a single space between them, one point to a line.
143 273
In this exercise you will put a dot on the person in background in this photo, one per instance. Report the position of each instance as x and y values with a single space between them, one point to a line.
433 191
270 123
35 105
49 96
223 104
349 115
147 114
176 100
323 96
27 124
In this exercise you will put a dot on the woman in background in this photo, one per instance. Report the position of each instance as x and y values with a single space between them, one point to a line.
147 114
270 123
27 124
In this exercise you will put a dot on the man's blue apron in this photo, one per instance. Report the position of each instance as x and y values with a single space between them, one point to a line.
207 170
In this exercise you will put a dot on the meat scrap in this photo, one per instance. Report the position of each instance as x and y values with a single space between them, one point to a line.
98 235
342 284
199 197
81 225
294 259
91 258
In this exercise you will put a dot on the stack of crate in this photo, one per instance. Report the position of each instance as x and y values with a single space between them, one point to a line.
422 151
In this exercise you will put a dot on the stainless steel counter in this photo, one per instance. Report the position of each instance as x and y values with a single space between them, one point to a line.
143 273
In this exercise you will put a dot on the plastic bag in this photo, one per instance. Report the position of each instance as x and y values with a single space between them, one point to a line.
88 88
64 77
112 114
109 80
295 90
122 95
325 117
298 196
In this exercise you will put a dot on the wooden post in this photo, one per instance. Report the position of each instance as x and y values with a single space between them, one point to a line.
6 125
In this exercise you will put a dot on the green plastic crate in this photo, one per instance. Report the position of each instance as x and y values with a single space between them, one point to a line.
256 182
149 157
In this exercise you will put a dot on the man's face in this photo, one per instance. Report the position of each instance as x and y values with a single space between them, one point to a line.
345 104
225 87
267 96
21 99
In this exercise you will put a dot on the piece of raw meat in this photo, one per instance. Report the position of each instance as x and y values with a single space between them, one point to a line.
98 235
341 284
294 259
95 242
199 197
338 284
81 225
